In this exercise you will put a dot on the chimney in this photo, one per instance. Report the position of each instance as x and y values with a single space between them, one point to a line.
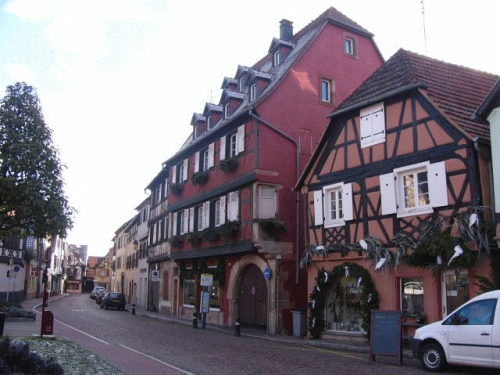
286 30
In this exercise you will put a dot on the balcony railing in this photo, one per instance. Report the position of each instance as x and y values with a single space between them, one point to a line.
158 249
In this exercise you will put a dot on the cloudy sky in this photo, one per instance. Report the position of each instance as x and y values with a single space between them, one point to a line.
120 79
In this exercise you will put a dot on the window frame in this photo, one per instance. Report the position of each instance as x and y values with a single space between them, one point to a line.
227 110
328 83
276 58
253 92
350 42
262 212
233 144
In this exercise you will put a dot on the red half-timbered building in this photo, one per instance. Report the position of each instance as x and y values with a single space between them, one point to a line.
398 197
232 211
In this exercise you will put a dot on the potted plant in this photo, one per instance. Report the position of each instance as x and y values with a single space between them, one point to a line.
193 238
229 165
177 189
199 178
210 234
175 241
229 229
272 227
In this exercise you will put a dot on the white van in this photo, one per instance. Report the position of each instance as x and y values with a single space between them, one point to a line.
470 336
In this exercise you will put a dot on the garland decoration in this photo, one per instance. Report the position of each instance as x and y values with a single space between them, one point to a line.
434 247
324 280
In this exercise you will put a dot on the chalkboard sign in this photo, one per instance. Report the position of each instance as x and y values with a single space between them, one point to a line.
385 337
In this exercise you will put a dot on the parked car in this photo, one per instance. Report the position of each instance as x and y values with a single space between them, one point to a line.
470 336
99 296
112 299
96 289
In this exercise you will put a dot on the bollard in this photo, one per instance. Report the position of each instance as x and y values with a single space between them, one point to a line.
133 309
237 328
2 323
195 321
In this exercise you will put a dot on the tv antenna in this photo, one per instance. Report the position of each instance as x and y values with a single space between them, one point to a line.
423 23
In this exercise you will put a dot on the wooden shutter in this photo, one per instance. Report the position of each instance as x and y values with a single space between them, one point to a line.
318 207
206 215
174 224
378 125
211 153
191 219
222 155
222 213
196 162
388 193
185 170
166 188
186 220
438 191
365 122
240 139
174 174
347 202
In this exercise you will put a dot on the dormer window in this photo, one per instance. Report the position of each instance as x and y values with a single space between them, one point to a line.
276 58
227 109
209 122
241 84
253 92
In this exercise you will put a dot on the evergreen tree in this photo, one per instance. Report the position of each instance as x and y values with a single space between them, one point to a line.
32 198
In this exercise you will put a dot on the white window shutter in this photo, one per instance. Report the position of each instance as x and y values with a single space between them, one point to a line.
185 169
206 215
438 190
166 188
378 125
211 154
191 219
174 174
347 202
318 207
222 210
388 193
154 233
186 220
174 224
196 161
222 155
240 139
365 129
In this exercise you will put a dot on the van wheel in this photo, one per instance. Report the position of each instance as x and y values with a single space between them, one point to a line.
432 357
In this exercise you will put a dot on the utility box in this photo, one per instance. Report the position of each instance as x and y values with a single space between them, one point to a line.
47 323
299 323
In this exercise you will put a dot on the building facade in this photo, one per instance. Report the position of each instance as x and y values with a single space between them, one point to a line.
398 198
231 211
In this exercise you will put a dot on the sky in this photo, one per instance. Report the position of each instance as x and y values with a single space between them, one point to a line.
119 80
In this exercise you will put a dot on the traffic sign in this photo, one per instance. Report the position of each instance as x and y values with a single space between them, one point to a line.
267 273
155 275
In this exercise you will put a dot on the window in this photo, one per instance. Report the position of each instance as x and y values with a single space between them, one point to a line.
333 205
199 215
232 144
372 125
241 83
253 92
184 221
349 46
276 58
478 313
326 89
209 122
180 172
412 298
220 211
214 291
204 159
414 190
227 109
233 207
267 202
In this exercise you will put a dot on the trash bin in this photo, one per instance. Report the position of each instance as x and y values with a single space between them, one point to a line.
47 322
299 323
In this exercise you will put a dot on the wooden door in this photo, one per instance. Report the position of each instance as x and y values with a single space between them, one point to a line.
252 299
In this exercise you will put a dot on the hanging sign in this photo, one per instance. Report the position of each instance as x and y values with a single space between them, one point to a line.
155 275
206 279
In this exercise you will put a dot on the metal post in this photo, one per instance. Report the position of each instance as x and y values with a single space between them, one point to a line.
195 320
2 323
133 309
237 332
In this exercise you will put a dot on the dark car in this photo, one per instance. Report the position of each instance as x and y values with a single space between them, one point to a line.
100 294
112 299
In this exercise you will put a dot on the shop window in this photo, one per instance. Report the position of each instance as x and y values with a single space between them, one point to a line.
343 306
412 298
455 290
188 290
214 291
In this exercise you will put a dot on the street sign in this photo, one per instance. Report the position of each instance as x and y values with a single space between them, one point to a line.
267 273
155 275
206 279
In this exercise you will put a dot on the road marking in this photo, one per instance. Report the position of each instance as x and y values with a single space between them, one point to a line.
157 360
84 333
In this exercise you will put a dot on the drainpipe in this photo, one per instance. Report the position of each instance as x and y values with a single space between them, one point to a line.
297 194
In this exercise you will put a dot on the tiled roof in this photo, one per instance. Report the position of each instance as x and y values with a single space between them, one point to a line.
457 91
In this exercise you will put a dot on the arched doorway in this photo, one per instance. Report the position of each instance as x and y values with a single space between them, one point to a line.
252 297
